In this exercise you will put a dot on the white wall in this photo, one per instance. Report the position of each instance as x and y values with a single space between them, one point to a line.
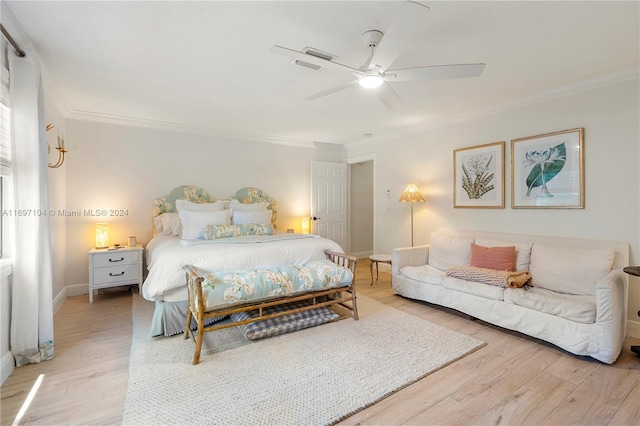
57 195
609 116
123 167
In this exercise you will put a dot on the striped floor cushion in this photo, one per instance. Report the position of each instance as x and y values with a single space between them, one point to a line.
284 324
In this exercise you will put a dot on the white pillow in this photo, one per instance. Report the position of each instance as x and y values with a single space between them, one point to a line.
168 224
209 207
257 216
193 222
571 270
237 205
523 250
448 250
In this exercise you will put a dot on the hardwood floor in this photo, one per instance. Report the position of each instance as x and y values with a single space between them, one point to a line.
513 380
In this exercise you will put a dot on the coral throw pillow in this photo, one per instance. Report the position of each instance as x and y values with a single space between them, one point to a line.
498 258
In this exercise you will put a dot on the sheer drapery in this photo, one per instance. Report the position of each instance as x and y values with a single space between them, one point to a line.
32 305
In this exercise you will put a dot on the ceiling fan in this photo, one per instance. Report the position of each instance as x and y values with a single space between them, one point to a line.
385 48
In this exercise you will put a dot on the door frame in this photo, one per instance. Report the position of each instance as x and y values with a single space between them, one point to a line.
361 159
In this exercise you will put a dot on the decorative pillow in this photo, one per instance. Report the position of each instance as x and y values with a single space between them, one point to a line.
523 250
448 250
208 207
212 232
241 217
498 258
284 324
237 205
157 225
168 224
571 270
193 222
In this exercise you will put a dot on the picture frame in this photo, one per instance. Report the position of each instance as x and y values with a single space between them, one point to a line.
478 176
547 171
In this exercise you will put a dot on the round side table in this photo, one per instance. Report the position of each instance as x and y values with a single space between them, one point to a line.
378 258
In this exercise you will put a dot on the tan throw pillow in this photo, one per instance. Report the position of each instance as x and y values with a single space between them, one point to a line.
498 258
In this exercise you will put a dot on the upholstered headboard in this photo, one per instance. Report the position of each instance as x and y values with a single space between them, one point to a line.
195 194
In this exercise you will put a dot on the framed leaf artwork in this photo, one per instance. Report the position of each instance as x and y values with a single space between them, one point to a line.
478 176
547 171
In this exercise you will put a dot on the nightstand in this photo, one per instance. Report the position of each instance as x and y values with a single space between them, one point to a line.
113 268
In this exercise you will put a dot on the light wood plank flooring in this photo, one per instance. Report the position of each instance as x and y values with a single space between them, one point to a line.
513 380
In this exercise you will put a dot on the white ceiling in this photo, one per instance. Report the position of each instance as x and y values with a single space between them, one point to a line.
207 65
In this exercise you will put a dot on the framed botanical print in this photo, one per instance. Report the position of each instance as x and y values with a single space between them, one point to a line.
478 176
547 171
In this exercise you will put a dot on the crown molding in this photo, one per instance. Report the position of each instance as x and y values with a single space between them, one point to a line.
618 76
187 128
624 74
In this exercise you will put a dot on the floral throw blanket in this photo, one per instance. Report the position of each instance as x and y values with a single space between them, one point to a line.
493 277
224 289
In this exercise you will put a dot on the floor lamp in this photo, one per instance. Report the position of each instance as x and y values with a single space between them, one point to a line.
411 195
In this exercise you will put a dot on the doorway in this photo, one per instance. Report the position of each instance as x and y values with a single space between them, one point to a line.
361 208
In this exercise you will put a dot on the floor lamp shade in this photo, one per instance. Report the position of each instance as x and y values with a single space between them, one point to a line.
411 195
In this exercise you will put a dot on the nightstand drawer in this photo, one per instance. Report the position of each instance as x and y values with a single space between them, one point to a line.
115 258
115 274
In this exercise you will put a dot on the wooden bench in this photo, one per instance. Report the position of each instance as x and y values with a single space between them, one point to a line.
344 296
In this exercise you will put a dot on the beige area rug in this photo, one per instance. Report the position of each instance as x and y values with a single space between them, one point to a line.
316 376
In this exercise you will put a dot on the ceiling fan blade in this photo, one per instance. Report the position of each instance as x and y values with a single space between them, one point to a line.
399 34
331 91
388 96
437 72
279 50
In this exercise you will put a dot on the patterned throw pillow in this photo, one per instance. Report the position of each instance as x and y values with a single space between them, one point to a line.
213 232
498 258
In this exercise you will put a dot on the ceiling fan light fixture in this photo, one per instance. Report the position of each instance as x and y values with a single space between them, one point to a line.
371 81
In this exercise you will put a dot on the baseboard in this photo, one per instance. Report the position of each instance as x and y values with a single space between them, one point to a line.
633 328
362 254
8 365
70 290
77 289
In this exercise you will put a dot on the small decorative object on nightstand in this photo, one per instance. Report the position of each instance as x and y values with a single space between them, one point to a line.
113 268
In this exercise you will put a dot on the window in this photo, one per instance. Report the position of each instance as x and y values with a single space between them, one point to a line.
5 157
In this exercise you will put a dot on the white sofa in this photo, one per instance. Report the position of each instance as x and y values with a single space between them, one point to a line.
576 299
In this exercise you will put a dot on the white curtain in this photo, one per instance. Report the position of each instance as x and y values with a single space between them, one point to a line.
32 303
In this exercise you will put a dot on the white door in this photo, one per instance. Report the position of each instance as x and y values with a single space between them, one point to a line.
329 201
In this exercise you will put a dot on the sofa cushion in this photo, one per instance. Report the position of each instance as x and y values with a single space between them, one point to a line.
578 308
499 258
523 250
475 288
424 273
572 270
447 250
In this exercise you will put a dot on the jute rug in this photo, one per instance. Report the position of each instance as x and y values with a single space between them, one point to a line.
316 376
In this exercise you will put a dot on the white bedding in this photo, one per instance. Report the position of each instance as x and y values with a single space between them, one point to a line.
166 256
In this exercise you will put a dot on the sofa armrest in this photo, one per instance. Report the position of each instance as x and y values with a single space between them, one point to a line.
408 256
611 316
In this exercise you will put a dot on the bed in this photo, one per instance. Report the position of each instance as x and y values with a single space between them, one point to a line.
169 252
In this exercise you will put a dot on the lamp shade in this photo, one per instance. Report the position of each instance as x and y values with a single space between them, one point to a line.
306 224
411 194
102 235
